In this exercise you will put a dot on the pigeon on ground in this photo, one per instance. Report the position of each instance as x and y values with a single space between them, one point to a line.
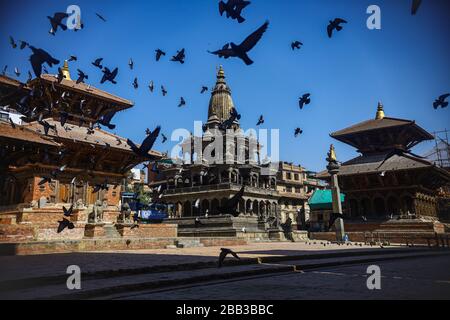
440 102
38 57
241 50
108 75
296 45
223 254
159 53
334 24
304 99
146 145
179 57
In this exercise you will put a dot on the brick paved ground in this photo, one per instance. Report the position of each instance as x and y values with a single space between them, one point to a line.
19 267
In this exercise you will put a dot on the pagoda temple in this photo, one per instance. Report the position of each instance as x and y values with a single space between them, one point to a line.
58 156
388 181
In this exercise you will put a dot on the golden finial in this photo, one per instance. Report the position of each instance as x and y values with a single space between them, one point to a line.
380 112
331 154
220 73
65 70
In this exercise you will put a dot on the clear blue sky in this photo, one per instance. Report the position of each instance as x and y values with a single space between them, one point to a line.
405 64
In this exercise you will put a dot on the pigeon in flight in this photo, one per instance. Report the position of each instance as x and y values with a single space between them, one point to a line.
135 83
260 120
296 45
227 124
56 21
63 116
440 102
38 57
72 58
81 76
179 57
101 17
415 6
16 71
223 254
230 205
102 186
335 24
4 69
23 44
164 138
182 102
146 145
240 51
159 53
131 63
233 8
65 223
53 175
11 122
204 89
106 120
68 212
304 99
164 91
47 126
98 63
12 42
108 75
297 132
397 152
151 86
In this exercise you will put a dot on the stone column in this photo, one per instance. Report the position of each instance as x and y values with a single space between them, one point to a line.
333 169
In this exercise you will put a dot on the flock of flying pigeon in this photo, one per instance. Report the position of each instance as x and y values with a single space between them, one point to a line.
232 8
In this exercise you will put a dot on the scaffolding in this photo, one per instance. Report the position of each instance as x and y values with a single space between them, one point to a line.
440 154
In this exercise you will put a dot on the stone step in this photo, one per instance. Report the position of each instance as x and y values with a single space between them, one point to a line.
188 243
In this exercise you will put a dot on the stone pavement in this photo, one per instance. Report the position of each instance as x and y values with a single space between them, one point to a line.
23 267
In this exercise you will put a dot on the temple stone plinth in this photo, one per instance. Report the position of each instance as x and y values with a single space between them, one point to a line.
94 230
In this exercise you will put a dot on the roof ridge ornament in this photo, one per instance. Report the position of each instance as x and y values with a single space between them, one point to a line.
380 112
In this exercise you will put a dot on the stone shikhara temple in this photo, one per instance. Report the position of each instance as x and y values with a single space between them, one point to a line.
86 165
199 188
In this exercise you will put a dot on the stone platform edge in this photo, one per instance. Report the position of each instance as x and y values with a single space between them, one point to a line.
105 244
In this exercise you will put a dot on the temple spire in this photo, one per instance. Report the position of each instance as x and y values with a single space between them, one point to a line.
380 112
220 103
65 70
